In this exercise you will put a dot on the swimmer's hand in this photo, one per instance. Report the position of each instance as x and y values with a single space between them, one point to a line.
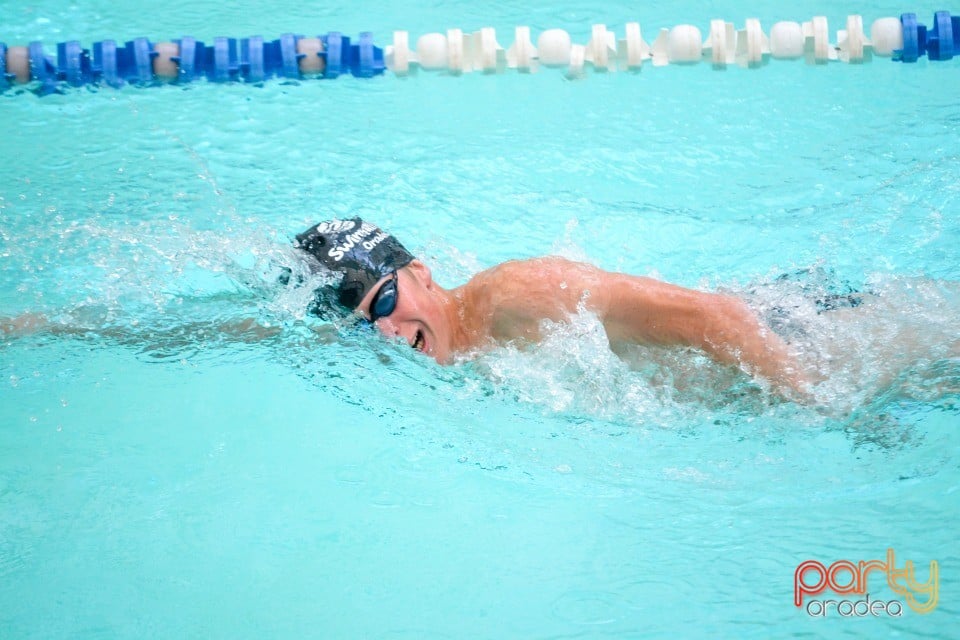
248 330
23 325
796 385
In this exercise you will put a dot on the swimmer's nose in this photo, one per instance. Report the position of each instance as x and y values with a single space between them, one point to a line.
391 330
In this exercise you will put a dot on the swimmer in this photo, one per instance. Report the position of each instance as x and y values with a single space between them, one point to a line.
860 342
385 285
379 281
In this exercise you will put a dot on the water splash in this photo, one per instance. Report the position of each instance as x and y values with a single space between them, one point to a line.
894 343
177 291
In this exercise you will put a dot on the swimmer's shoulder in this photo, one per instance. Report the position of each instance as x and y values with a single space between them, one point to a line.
542 267
513 297
523 275
541 287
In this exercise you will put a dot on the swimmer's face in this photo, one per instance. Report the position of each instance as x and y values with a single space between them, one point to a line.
418 317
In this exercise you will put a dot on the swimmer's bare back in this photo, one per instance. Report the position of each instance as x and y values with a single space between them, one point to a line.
511 300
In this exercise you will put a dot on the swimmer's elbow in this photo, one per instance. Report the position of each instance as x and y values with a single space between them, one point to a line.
728 321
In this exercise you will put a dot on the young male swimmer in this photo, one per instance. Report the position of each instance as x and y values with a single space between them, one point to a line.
383 283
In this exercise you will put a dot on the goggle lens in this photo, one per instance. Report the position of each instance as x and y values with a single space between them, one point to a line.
385 301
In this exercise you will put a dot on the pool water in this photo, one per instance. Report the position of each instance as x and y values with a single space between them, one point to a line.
159 478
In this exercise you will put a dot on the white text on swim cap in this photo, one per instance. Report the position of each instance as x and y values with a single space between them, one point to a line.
370 244
335 226
340 250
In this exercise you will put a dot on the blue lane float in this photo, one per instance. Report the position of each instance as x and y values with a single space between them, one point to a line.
944 39
293 57
190 61
287 45
252 60
5 77
252 67
335 45
42 69
937 43
103 64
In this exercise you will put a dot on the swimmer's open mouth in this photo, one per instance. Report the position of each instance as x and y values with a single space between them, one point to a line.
418 341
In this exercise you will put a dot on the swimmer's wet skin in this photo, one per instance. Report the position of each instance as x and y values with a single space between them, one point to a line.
385 284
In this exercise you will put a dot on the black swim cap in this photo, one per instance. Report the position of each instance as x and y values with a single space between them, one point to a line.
359 250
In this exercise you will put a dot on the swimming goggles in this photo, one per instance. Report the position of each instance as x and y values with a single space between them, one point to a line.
385 301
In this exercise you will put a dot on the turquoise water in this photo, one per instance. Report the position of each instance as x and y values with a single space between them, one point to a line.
157 481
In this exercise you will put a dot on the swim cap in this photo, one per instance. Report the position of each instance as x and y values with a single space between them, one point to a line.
359 250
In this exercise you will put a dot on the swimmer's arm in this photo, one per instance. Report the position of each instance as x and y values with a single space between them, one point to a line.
638 309
242 330
644 310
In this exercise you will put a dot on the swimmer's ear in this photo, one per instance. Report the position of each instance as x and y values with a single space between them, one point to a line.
421 272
